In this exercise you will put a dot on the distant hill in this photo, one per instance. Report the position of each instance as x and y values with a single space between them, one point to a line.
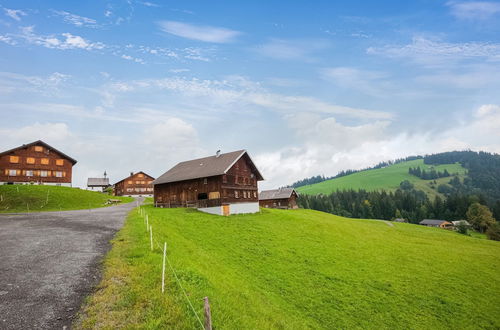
388 178
38 198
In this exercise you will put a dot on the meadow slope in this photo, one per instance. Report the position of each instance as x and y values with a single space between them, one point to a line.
38 198
387 178
296 269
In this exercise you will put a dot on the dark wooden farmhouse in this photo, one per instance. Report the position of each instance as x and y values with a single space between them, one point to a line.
222 184
137 184
36 162
436 223
282 198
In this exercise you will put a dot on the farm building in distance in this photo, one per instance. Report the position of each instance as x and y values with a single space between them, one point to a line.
436 223
222 184
282 198
36 162
137 184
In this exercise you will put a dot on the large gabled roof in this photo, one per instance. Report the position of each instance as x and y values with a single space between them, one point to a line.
205 167
280 193
39 142
131 175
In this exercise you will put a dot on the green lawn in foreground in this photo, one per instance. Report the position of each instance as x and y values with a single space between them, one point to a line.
387 178
296 269
33 198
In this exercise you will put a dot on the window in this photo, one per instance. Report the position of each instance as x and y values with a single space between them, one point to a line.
140 175
30 160
213 195
150 182
254 194
143 182
224 179
29 173
44 174
44 161
12 172
138 182
38 149
60 162
205 181
236 195
14 159
130 189
59 174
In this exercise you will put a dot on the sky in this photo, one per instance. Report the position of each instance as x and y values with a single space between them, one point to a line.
306 87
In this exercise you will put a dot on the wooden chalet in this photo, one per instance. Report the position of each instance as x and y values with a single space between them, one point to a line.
99 183
136 184
36 163
282 198
222 184
436 223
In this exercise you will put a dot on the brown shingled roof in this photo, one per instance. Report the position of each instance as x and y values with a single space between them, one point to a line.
204 167
280 193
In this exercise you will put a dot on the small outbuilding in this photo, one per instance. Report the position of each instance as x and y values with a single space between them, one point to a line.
282 198
99 183
221 184
436 223
401 220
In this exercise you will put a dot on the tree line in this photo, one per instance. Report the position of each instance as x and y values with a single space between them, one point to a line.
432 174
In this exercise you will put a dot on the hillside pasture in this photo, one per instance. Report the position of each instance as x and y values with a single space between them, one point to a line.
39 198
295 269
387 178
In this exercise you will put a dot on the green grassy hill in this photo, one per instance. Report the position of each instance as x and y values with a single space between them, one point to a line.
296 269
37 198
387 178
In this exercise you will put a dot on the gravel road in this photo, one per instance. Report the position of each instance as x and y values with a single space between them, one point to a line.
50 261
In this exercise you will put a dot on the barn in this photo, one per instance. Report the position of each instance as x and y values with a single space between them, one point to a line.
282 198
221 184
436 223
36 162
136 184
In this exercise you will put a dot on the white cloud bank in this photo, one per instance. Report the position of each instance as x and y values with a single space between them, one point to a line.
474 10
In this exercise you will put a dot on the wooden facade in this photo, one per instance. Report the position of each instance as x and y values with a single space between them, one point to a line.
36 163
238 185
284 198
137 184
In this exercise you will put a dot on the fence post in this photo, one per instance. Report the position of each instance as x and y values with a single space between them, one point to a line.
151 236
147 223
208 316
163 268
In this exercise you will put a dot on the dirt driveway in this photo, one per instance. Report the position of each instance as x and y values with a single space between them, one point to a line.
50 261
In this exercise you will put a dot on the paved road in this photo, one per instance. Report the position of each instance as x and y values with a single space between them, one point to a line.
50 261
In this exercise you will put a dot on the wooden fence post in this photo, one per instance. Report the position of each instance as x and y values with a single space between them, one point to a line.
151 236
163 268
208 315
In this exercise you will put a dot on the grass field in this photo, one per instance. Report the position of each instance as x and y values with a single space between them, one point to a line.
387 178
296 269
38 198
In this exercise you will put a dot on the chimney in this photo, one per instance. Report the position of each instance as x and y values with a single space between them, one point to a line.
131 173
217 154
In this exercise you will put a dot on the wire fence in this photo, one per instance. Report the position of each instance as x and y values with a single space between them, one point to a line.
154 241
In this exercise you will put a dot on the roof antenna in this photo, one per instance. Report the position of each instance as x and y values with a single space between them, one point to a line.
217 154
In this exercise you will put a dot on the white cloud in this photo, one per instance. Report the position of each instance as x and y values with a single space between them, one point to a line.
299 49
474 10
67 41
48 85
240 93
48 132
14 13
134 59
199 32
76 20
425 50
476 77
8 40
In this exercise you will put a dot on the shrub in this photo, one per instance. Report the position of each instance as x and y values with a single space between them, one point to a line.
493 232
